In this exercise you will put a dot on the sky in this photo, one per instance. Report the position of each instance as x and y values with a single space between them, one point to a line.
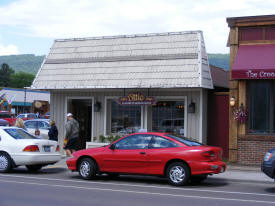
31 26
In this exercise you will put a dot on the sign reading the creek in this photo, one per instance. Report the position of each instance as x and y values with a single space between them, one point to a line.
136 99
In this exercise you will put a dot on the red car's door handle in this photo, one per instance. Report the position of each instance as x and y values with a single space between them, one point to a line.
142 153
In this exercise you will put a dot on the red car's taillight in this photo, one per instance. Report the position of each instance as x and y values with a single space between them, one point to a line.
210 155
31 148
57 148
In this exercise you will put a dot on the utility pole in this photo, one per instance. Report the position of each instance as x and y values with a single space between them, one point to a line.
25 91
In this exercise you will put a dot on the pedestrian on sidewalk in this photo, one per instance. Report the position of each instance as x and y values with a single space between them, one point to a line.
53 131
71 135
20 124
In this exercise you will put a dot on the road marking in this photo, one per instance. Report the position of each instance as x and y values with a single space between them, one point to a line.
141 186
138 192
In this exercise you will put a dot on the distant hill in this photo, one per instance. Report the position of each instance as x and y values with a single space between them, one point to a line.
31 63
25 62
219 60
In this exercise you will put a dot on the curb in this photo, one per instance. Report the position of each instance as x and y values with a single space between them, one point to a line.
271 182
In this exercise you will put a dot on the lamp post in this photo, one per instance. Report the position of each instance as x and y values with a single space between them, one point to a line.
25 94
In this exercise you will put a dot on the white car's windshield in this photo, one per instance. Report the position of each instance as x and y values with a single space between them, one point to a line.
19 133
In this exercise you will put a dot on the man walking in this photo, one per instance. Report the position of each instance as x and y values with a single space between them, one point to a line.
71 134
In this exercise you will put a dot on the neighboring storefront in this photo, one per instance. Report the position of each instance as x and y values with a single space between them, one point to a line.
252 88
117 85
19 101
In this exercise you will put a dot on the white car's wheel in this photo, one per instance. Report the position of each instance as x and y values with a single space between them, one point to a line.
5 162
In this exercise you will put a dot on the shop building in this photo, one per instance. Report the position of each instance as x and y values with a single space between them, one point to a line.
123 84
19 101
252 88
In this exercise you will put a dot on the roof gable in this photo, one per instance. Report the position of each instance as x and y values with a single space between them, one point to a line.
166 60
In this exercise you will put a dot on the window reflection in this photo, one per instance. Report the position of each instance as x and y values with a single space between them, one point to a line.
125 119
168 116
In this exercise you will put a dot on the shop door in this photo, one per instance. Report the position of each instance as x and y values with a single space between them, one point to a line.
82 112
218 121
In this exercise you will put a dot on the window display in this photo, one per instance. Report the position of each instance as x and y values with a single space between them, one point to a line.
168 116
125 119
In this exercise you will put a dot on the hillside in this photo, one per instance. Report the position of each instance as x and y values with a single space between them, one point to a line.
25 62
219 60
31 63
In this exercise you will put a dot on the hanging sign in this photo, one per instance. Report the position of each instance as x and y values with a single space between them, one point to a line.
136 99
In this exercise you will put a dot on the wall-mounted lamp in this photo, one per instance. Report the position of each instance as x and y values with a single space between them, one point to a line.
232 101
97 107
192 107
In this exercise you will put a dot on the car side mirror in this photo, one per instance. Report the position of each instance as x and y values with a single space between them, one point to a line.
113 147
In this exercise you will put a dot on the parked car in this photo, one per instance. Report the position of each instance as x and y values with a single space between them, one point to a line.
161 154
42 124
17 147
4 122
268 166
5 115
27 116
175 126
47 115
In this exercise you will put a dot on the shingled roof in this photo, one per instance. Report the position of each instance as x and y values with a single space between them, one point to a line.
163 60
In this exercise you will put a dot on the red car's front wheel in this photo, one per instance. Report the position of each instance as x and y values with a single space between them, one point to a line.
87 168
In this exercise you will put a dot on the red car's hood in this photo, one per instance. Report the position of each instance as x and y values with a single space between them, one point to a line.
90 150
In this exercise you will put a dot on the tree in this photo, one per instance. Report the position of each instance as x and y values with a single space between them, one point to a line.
21 79
5 75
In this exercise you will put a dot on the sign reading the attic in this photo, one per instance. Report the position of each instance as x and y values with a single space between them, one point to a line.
136 99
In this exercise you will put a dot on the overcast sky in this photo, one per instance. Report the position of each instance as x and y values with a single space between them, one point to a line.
30 26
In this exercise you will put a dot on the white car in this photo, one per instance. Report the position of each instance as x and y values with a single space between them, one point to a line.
18 147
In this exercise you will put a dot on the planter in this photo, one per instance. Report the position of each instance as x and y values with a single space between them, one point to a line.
95 144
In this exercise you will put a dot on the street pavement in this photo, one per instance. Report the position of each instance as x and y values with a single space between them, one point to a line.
234 172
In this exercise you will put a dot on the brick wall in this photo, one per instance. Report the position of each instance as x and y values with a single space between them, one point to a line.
251 152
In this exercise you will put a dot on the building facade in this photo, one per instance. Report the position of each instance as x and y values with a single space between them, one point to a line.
252 88
19 101
116 85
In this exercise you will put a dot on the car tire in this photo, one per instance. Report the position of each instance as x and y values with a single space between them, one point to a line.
178 173
5 162
34 168
198 178
87 169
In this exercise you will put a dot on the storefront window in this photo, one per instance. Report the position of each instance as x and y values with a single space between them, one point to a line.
261 107
125 119
168 116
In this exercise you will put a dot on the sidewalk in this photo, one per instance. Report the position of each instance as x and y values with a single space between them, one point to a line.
234 172
242 173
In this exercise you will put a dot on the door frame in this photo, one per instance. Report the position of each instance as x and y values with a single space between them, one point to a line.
92 115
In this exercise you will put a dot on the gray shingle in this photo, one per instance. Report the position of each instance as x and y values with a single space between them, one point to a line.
165 60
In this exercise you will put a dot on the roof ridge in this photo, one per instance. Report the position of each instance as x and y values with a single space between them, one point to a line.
129 36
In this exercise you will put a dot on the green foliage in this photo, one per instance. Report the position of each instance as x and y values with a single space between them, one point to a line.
16 80
109 138
5 75
26 62
219 60
21 79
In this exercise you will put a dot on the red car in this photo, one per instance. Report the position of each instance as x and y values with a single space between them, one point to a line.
177 158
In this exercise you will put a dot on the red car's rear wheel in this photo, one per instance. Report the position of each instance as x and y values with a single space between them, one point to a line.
178 173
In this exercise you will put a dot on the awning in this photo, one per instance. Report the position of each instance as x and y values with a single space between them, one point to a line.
254 62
